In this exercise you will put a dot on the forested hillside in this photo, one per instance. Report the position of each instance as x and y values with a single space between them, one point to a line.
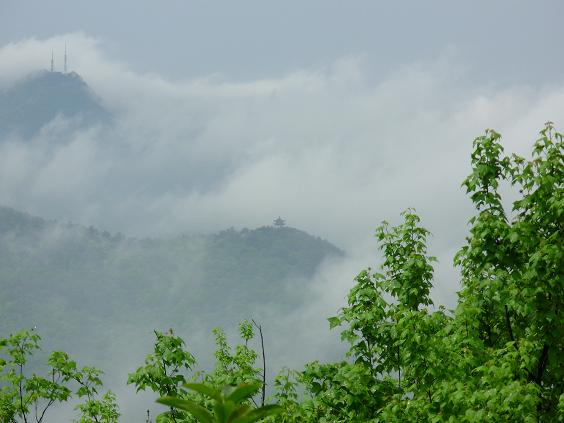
70 281
39 98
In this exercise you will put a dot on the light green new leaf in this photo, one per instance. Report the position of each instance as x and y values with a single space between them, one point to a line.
259 414
243 392
204 390
199 412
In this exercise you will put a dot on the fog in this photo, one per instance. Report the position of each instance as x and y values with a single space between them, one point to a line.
333 148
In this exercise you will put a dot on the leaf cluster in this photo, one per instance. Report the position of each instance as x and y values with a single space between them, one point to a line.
25 397
230 405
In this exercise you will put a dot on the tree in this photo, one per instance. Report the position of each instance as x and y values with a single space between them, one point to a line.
163 369
395 340
230 405
513 278
499 356
26 398
166 371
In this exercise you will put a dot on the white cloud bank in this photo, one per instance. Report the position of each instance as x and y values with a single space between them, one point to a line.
332 150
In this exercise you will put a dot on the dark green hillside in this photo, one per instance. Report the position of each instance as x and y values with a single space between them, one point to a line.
71 280
261 257
34 102
15 222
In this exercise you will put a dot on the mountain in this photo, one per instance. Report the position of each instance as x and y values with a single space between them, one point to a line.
35 101
81 286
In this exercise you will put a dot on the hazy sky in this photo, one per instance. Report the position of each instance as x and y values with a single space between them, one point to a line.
500 41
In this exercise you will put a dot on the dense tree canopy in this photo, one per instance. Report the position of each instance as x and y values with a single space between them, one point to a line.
499 356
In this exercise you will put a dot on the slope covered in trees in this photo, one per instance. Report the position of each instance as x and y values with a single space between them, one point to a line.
70 281
39 98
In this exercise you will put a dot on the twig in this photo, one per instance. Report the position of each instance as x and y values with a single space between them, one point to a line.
259 327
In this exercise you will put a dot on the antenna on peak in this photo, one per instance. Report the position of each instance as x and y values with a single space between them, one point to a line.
52 61
65 57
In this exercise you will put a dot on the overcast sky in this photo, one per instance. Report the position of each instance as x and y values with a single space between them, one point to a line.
501 41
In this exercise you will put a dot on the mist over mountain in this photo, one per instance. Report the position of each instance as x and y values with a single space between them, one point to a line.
70 280
80 286
172 152
41 97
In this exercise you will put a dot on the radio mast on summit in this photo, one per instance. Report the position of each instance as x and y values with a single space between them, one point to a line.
65 57
52 61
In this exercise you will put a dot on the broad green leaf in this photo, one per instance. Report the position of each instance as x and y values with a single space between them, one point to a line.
259 413
205 390
243 392
199 412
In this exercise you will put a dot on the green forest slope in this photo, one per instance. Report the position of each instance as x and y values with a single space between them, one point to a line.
81 286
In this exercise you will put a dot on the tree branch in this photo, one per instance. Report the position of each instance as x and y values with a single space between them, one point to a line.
543 360
49 403
263 393
508 323
21 392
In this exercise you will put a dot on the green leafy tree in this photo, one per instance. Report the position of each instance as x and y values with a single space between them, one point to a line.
103 410
26 398
513 277
164 369
167 370
499 356
230 405
234 365
393 337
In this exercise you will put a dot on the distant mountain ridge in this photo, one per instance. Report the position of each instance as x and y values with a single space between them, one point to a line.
12 220
71 280
39 98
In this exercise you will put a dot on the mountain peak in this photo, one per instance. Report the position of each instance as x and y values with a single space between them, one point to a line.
42 96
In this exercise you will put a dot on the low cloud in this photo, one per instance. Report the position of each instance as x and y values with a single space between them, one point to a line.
333 150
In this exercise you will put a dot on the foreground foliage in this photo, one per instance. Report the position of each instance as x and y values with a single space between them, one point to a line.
169 369
230 405
27 398
497 357
500 355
